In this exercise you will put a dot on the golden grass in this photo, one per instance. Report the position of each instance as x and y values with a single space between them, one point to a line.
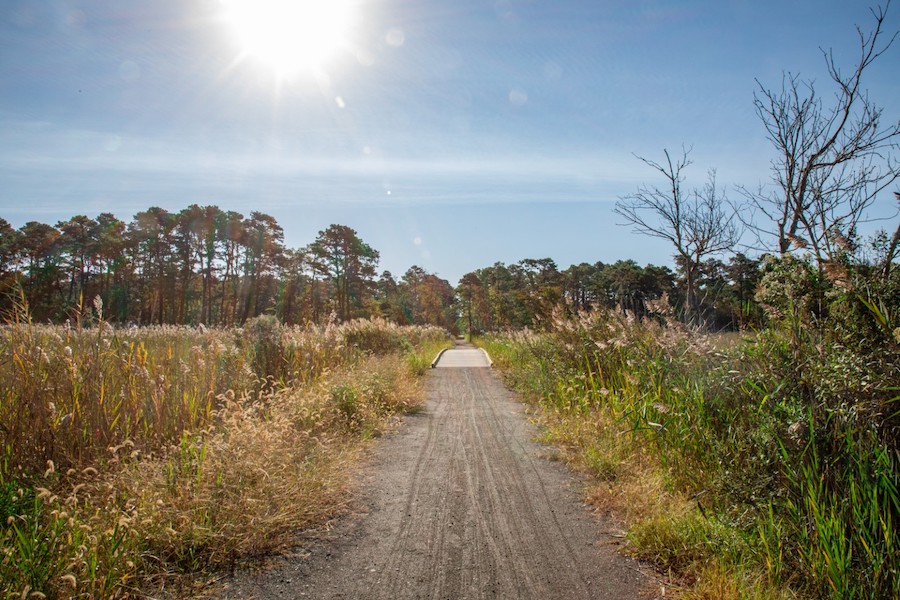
718 582
627 482
248 459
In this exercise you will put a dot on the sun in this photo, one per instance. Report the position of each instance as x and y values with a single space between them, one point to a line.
290 36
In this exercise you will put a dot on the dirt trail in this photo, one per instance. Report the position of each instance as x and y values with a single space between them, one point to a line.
459 503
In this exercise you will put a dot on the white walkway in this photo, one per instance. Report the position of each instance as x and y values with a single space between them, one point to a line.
463 358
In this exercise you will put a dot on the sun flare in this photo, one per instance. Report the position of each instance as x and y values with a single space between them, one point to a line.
290 35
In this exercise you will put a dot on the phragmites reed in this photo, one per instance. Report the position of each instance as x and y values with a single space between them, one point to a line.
141 457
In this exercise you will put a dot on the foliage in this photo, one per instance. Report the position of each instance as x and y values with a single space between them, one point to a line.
205 266
136 457
527 294
777 453
349 263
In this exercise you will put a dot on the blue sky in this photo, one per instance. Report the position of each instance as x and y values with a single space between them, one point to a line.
448 134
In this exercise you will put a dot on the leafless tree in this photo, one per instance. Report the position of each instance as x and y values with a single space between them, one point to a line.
698 223
833 157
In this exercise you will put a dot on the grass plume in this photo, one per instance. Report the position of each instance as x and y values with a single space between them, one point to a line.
758 465
136 459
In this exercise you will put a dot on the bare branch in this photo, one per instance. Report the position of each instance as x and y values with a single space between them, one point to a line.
832 161
696 222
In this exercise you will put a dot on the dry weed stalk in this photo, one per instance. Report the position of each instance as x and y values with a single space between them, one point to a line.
166 451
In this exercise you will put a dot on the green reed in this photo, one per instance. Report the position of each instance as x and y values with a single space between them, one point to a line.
779 445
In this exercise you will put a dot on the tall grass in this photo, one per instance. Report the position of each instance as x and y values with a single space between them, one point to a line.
768 461
142 458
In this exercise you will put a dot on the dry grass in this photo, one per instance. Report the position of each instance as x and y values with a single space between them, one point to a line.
718 582
166 454
627 483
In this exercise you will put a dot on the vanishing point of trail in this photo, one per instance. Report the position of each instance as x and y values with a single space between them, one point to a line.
460 503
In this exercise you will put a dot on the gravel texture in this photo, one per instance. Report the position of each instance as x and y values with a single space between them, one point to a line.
458 503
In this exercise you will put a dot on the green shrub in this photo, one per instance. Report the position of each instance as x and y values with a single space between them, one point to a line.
786 439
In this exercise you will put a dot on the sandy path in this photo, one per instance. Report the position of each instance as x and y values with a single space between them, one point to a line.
459 503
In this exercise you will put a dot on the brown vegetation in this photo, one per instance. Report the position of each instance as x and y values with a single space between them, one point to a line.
146 458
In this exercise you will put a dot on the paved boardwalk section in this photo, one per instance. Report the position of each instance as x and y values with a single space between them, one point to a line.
460 503
456 358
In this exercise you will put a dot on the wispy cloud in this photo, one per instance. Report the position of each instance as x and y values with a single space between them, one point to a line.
38 145
64 165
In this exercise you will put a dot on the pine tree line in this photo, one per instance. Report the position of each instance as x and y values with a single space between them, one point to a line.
207 266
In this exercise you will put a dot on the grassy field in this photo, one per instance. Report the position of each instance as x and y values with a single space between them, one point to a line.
745 466
153 458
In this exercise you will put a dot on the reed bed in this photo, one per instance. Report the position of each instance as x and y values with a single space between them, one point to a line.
138 459
748 466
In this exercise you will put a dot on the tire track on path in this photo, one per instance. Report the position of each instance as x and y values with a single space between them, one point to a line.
459 503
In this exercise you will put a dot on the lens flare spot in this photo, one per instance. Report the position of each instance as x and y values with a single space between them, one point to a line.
518 97
395 37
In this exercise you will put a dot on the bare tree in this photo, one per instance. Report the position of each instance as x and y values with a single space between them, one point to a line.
832 158
696 222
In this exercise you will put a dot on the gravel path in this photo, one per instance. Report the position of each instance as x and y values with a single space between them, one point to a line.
458 503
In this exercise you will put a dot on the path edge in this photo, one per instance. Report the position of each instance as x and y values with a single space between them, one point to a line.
438 357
